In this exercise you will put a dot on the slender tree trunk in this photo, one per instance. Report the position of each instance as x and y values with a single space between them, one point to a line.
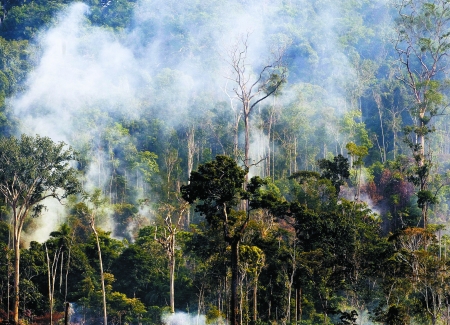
269 135
16 279
168 243
299 305
288 307
67 269
61 272
296 306
255 302
358 190
377 98
66 313
421 163
244 203
247 142
52 270
236 134
8 291
200 302
241 299
234 320
227 298
8 262
382 137
290 283
102 276
273 157
295 155
50 296
395 144
16 243
172 275
190 162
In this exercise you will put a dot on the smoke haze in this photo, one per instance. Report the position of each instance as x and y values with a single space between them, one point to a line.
87 77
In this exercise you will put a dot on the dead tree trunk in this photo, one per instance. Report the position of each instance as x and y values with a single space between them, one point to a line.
251 89
168 243
52 270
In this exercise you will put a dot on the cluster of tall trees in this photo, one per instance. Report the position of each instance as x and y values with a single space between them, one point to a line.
310 187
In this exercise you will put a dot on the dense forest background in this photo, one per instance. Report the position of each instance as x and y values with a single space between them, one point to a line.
348 138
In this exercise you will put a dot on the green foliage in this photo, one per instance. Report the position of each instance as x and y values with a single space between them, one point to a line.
356 130
214 316
24 21
396 315
253 257
111 250
33 271
218 186
35 168
336 171
123 307
425 197
148 164
357 151
348 318
111 14
145 276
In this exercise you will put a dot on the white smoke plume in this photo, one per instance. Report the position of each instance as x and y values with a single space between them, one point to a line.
86 77
81 68
179 318
43 225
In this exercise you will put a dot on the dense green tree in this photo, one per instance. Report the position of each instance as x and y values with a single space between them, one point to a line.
145 276
217 187
337 171
339 232
32 170
34 284
24 19
423 45
14 65
208 257
122 307
113 14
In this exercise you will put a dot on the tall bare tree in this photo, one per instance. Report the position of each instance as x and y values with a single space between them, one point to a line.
251 88
423 46
52 266
168 241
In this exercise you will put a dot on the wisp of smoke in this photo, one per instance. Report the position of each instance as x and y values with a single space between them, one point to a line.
54 215
179 318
